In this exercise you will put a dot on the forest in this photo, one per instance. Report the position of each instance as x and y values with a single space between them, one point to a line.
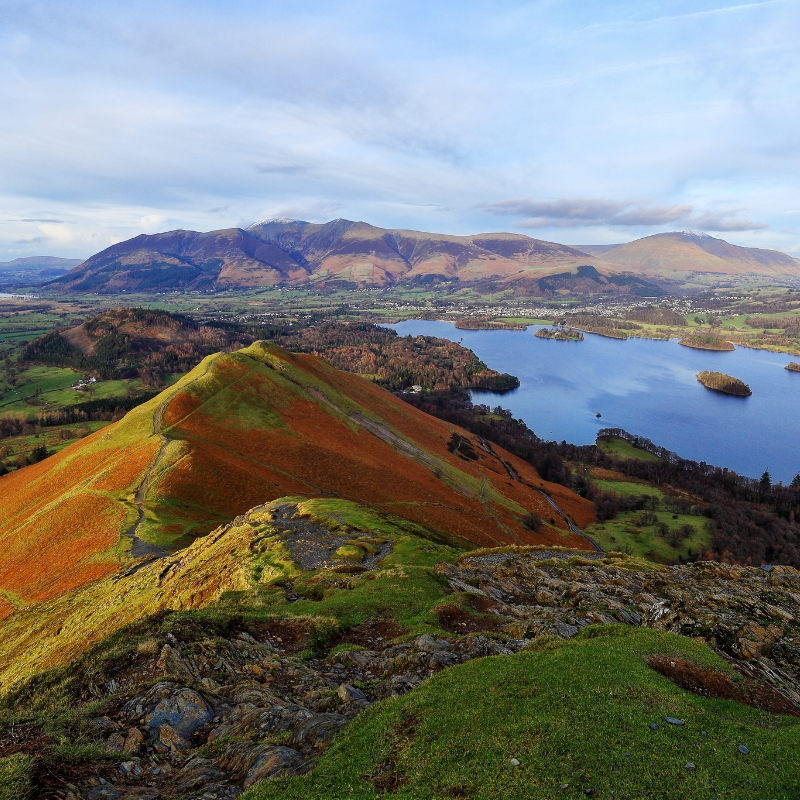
560 334
395 362
706 341
153 344
603 326
131 343
657 316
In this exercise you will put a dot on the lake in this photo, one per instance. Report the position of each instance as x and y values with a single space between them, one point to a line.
648 388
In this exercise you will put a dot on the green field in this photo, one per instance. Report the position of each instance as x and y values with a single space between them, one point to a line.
627 488
621 448
644 541
49 388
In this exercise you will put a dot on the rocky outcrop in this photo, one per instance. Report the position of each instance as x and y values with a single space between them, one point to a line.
208 717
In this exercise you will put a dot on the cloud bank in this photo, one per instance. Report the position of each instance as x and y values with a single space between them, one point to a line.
585 213
123 118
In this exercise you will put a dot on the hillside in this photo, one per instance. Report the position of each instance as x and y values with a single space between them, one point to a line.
223 259
126 343
296 253
151 344
674 255
243 428
240 664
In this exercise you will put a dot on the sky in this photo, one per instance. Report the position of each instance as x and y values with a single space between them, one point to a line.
576 121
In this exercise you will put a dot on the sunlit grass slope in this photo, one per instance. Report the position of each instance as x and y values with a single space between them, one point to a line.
241 429
234 570
576 717
265 423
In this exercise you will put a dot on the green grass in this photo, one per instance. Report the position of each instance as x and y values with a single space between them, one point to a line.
623 449
15 772
53 387
49 437
624 535
627 488
47 381
576 717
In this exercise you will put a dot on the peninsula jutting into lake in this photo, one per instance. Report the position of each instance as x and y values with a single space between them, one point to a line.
706 342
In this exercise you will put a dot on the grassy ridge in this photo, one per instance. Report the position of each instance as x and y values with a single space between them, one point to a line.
244 428
575 715
240 563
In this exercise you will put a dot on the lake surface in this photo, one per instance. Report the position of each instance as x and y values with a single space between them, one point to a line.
648 388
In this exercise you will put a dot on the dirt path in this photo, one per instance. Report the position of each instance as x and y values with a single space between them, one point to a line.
572 528
140 548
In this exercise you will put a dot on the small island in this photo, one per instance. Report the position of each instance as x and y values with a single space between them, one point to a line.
727 384
560 334
706 342
793 366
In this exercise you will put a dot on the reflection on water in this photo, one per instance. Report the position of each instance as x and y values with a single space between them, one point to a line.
647 387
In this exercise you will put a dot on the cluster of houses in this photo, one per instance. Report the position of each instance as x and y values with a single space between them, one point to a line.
83 384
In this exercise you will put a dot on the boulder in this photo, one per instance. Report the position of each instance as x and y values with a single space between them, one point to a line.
272 763
177 706
197 774
318 730
169 739
170 663
133 742
350 694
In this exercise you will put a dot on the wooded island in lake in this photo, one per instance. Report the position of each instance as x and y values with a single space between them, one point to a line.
793 366
560 334
720 382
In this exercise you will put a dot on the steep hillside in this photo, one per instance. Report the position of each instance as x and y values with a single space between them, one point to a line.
184 260
673 255
243 428
290 252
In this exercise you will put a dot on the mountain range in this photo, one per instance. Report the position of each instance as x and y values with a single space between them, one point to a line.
34 270
345 254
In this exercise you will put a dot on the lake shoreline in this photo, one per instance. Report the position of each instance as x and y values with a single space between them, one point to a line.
645 386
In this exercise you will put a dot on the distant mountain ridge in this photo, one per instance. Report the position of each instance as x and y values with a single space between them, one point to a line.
296 253
33 270
343 253
678 253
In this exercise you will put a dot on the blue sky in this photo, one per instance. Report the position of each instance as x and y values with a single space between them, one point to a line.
573 121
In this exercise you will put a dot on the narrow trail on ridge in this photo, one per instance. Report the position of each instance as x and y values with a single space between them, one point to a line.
140 548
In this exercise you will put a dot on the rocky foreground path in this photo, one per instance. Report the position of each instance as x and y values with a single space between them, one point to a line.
206 716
